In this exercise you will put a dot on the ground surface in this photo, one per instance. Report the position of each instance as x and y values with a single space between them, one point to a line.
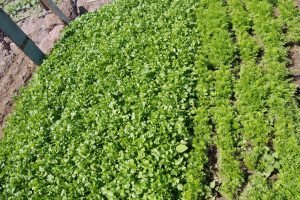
295 69
44 29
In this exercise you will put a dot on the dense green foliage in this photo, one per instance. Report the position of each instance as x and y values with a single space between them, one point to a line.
108 114
161 99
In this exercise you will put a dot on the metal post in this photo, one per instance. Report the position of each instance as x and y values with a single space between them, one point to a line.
13 31
50 5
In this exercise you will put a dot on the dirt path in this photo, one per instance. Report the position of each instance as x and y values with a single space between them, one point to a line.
44 29
295 55
295 69
16 75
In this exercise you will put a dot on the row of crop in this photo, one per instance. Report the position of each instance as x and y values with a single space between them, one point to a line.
251 94
219 56
289 17
216 116
276 109
198 172
283 111
108 115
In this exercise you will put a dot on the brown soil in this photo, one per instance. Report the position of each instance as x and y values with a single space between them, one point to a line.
16 75
44 29
295 68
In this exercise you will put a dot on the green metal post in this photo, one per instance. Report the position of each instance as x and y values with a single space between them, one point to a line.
20 38
49 4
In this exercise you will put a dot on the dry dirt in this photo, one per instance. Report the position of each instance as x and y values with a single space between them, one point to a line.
295 69
15 67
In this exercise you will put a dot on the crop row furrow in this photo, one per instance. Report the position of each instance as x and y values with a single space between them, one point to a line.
251 94
282 112
215 60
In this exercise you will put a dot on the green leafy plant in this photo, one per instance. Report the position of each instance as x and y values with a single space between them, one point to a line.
160 99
